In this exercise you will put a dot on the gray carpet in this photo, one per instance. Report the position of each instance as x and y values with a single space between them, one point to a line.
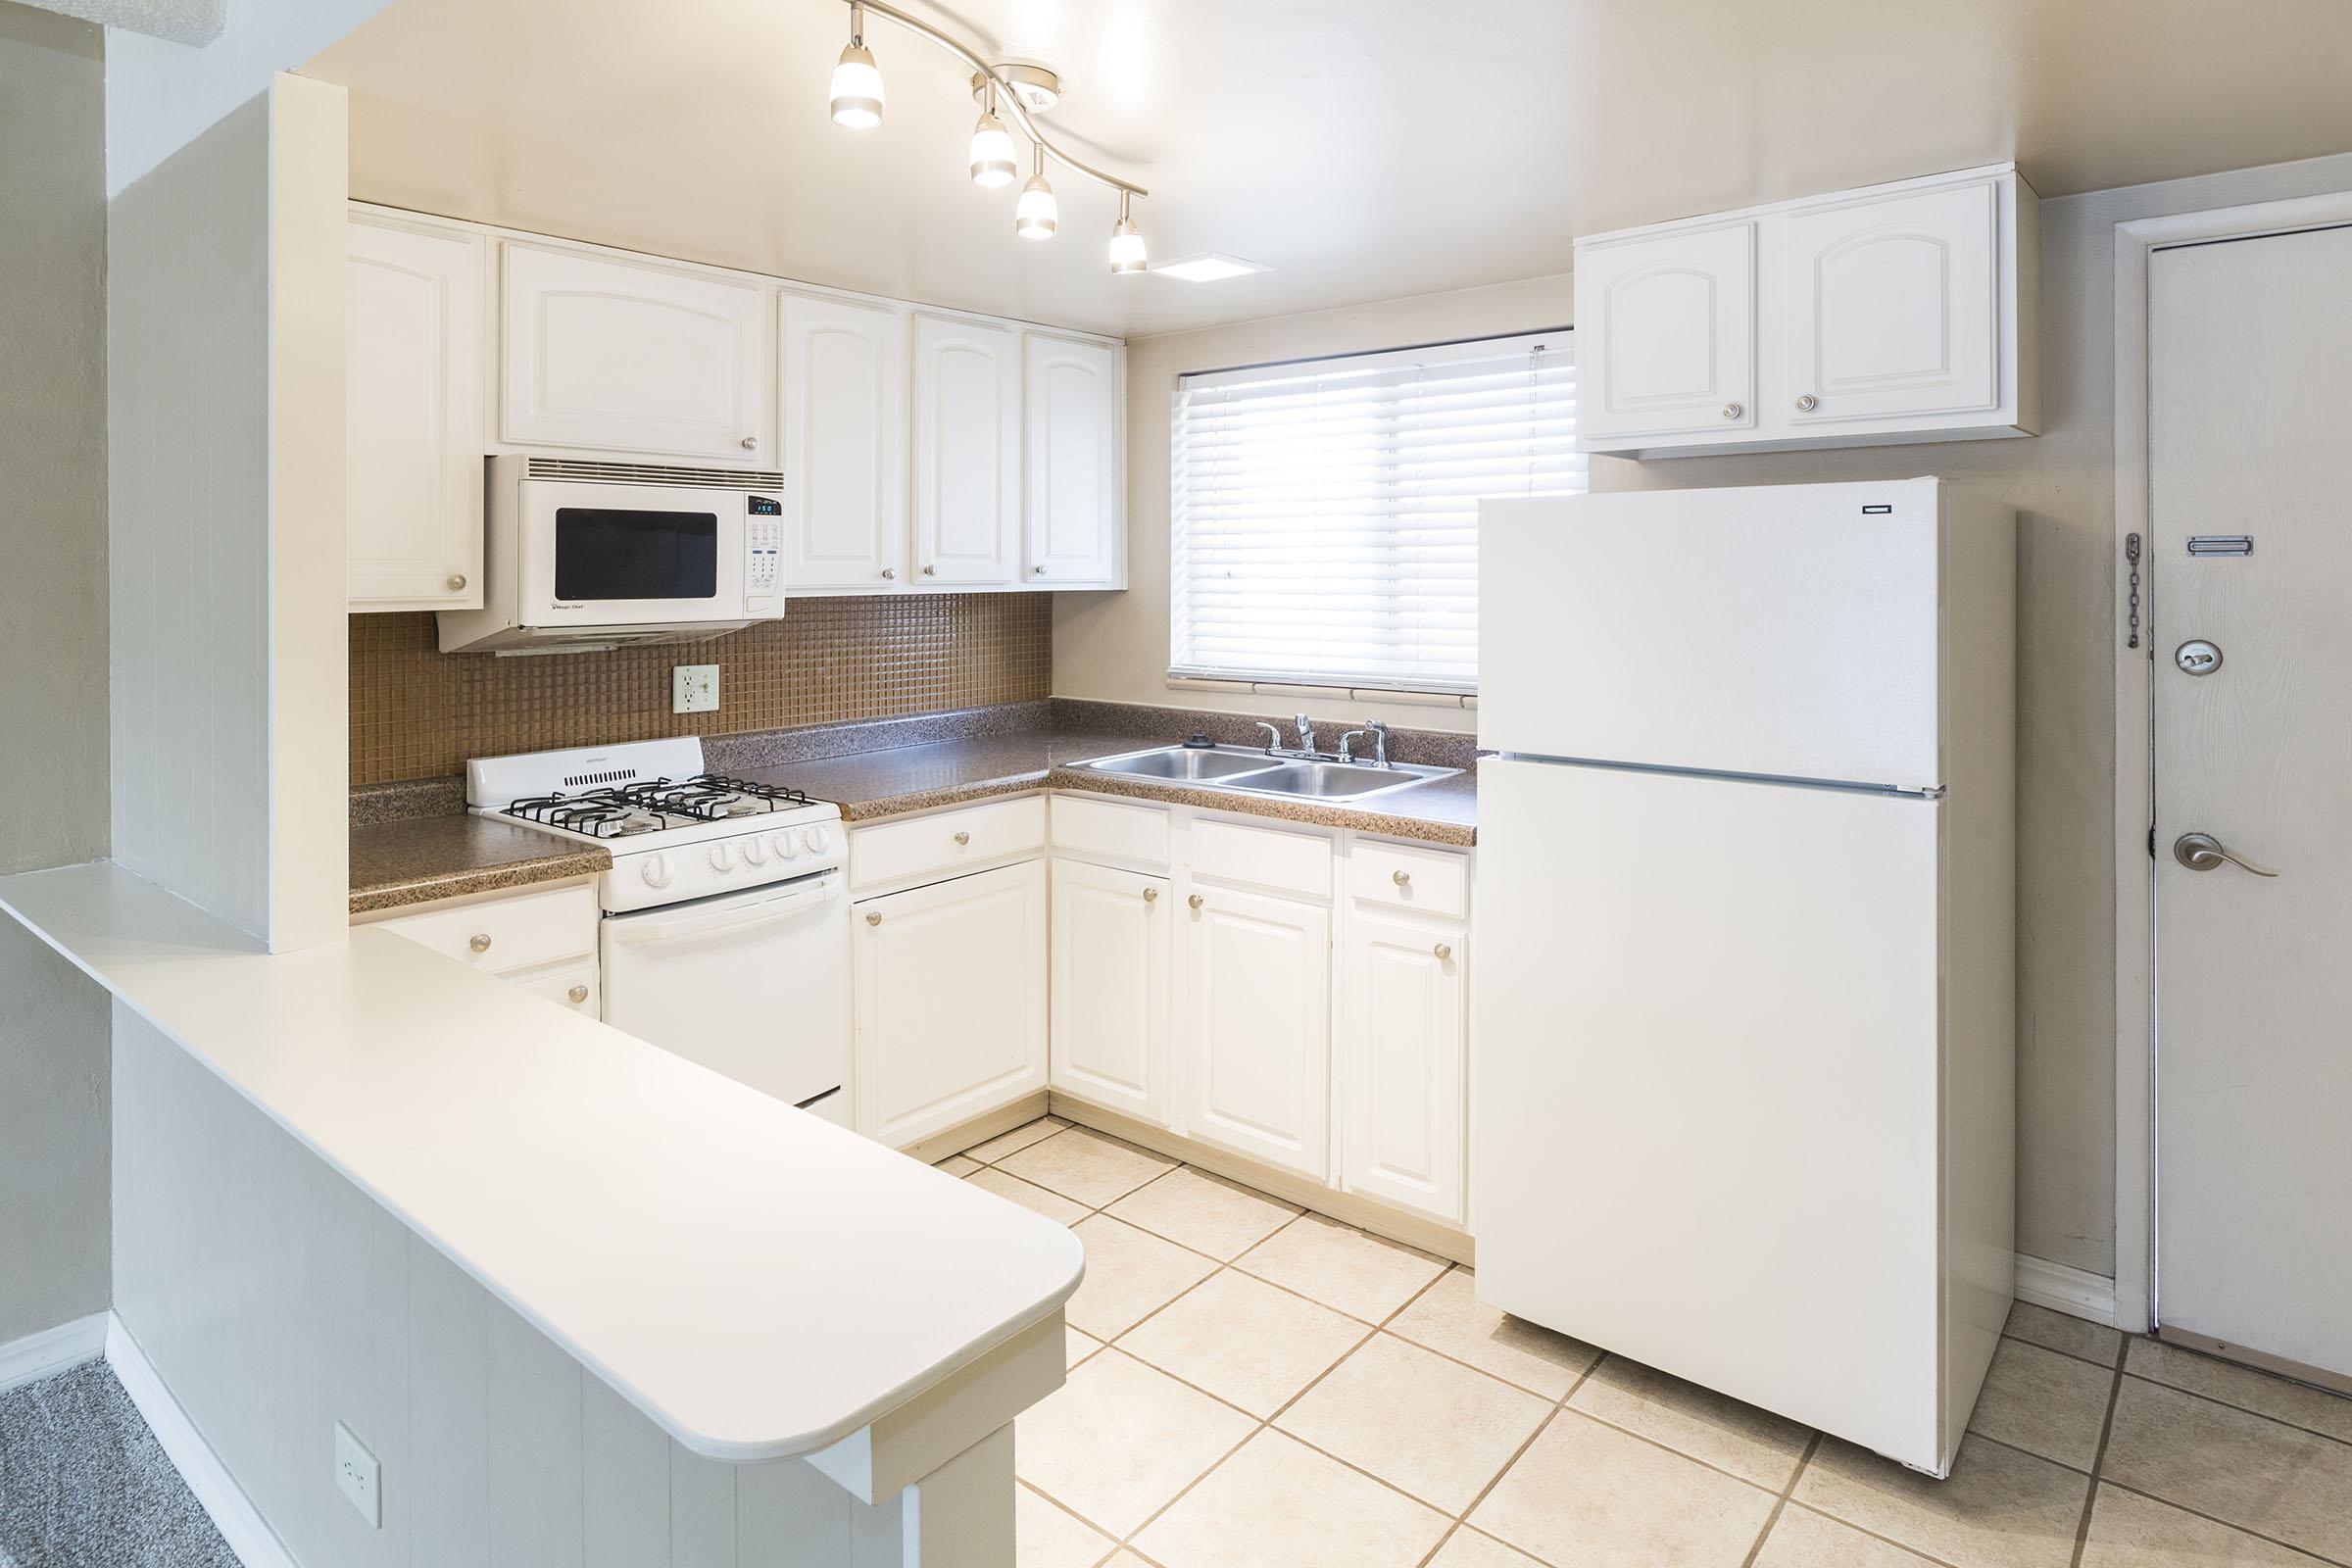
83 1483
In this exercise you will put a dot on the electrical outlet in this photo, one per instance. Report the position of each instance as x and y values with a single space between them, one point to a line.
359 1477
694 688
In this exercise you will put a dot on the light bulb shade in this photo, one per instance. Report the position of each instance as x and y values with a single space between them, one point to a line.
1036 215
856 89
1126 247
991 154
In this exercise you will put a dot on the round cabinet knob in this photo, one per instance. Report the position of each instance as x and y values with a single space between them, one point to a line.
480 943
1732 411
456 582
962 839
1195 901
873 918
1150 895
890 571
723 859
755 852
1403 879
1039 570
815 839
577 994
751 443
1807 404
930 571
1442 951
655 871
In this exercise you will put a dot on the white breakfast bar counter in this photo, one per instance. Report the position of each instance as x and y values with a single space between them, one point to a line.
759 1284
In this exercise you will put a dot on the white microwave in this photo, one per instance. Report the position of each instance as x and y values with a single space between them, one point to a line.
584 555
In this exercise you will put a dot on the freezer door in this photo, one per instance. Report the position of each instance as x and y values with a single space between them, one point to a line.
1788 631
1704 1084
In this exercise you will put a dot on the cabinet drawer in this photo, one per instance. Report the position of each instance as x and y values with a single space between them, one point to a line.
1430 881
945 843
1104 830
569 985
502 935
1295 863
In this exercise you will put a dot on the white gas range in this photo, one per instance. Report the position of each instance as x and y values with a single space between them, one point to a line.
726 937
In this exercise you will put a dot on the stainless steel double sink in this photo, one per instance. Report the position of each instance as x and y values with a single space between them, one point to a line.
1248 771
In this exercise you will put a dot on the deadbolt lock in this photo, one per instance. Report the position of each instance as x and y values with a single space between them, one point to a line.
2198 657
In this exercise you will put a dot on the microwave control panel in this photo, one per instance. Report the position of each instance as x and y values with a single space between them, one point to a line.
763 548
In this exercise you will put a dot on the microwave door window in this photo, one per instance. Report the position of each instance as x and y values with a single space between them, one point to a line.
615 553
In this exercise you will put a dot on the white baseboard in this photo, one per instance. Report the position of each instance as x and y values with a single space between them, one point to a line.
2077 1293
239 1522
52 1350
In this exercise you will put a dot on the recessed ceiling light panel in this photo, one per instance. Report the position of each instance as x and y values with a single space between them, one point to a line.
1209 267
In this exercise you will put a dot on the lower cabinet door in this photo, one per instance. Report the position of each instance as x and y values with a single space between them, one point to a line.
1113 951
1258 1027
951 999
1401 1066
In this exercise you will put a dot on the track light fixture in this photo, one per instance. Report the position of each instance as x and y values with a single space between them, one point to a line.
1022 91
857 80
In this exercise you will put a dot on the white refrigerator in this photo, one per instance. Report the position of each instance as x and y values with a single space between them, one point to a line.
1742 1081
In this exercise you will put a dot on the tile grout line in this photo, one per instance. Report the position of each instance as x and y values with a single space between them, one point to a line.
1796 1474
2196 1513
2242 1409
2098 1463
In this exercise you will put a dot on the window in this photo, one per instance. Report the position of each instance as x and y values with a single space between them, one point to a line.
1325 512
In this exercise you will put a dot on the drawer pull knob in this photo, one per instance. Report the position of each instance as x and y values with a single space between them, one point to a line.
1732 411
1150 895
1403 879
873 918
1195 901
577 994
480 943
751 443
1807 404
1442 951
890 571
456 582
963 838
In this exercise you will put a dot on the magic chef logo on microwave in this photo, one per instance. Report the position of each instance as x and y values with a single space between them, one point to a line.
580 604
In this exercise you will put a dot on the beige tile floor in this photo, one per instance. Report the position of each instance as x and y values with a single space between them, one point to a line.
1254 1386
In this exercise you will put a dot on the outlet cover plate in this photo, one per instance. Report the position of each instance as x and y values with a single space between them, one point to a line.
359 1477
694 688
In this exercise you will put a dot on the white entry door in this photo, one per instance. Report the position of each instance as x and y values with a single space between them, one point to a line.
2250 435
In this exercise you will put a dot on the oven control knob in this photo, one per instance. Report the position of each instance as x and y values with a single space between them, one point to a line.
815 838
723 859
755 852
657 871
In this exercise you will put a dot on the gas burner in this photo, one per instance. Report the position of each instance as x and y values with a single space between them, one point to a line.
711 797
598 814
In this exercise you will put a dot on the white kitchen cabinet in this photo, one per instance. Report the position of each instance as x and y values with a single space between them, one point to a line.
967 451
1258 1026
1073 519
1898 313
623 357
1402 1063
1666 339
949 981
1112 958
413 418
844 421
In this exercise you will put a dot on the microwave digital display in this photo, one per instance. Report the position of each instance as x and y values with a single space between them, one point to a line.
617 552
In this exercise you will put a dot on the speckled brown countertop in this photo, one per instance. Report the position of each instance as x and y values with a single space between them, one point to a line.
427 857
920 778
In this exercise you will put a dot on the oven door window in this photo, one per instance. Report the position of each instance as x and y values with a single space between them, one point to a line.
617 552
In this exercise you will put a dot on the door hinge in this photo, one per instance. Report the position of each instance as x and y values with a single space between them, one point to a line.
2152 841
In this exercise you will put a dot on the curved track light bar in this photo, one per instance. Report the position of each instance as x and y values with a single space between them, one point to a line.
1008 99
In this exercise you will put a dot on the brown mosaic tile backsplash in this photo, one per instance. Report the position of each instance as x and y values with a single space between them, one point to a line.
418 713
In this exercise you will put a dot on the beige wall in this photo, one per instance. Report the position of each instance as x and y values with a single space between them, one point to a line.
2062 484
53 730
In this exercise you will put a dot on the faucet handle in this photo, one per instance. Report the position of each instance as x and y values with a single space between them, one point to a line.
1379 742
1346 739
1306 732
1273 735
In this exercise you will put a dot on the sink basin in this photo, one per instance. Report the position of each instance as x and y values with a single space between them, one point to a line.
1245 771
1180 765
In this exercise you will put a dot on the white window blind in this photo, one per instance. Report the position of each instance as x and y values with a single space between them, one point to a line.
1325 513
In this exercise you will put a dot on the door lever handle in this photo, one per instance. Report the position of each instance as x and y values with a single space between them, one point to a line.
2202 852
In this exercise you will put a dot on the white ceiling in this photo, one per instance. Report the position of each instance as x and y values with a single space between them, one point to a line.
1365 149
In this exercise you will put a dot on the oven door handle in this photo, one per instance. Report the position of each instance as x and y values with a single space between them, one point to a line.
637 929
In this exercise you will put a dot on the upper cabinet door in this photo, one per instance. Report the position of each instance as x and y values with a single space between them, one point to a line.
1074 515
413 418
1894 307
614 357
1668 345
844 418
967 450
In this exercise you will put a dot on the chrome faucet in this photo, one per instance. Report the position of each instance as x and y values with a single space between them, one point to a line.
1273 737
1379 742
1306 733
